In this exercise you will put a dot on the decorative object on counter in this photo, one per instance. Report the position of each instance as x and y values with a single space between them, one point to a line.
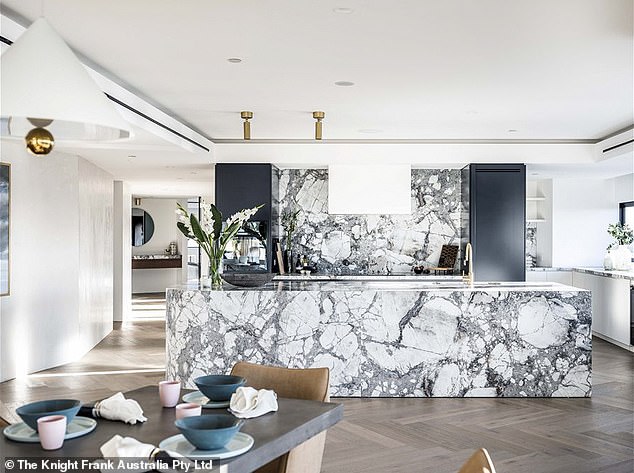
418 269
248 402
116 407
211 234
289 223
619 250
248 279
608 260
172 249
280 258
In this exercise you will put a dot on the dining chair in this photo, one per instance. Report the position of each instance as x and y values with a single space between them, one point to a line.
311 384
3 423
479 462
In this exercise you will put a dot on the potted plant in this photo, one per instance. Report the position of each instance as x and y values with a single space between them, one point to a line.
210 233
289 223
619 251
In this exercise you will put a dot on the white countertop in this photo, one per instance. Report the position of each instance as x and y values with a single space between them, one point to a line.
596 271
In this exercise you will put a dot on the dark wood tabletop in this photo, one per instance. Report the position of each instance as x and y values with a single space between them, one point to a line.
275 433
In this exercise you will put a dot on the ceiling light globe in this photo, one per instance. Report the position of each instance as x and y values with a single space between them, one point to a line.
39 141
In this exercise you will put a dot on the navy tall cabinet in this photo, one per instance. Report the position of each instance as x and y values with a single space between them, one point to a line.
494 220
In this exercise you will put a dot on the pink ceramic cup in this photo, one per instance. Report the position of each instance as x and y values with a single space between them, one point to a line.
188 409
169 392
51 430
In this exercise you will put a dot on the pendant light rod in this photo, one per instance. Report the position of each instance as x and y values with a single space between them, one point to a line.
246 126
318 116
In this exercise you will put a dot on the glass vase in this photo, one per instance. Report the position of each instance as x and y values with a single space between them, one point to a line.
215 270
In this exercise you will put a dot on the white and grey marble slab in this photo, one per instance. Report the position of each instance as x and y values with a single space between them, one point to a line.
606 273
392 339
365 277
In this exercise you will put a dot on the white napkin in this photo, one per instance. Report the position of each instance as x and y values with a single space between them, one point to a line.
131 448
248 402
117 407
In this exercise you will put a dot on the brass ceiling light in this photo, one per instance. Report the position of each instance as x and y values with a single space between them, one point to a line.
39 141
319 116
246 126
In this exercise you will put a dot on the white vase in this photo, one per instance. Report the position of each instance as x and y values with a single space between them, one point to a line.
608 261
622 258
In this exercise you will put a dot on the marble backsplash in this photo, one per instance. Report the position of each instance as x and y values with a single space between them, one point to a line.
531 245
363 244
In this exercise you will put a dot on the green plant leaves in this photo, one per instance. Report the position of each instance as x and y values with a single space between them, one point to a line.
217 216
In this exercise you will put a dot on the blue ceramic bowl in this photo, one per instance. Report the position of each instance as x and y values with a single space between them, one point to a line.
30 413
209 432
219 387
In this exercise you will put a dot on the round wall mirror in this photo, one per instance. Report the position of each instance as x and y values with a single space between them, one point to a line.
142 227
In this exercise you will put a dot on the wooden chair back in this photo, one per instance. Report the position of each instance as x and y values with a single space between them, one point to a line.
479 462
312 384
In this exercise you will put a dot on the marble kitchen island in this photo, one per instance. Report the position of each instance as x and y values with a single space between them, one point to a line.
383 338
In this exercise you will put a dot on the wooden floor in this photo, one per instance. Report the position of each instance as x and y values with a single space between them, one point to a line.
400 435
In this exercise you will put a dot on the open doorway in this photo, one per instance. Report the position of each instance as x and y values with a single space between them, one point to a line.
161 255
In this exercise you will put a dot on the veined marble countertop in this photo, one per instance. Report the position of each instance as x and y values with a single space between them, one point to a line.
610 274
156 256
596 271
367 277
392 338
391 285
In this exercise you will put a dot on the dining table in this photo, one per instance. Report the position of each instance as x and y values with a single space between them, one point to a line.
274 434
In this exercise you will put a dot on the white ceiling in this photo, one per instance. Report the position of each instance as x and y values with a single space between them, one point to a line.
423 69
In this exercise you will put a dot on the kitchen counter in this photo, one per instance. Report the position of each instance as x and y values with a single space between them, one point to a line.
144 257
366 277
392 338
596 271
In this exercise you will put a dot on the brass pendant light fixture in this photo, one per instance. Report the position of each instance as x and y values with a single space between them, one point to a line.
63 106
39 141
246 126
319 116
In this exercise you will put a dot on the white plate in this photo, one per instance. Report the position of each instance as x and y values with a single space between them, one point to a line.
178 443
21 432
199 398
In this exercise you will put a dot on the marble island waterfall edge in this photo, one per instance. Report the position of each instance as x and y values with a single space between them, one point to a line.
390 343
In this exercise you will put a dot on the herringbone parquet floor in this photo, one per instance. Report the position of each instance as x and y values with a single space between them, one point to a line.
400 435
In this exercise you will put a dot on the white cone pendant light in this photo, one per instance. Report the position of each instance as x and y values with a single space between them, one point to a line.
44 86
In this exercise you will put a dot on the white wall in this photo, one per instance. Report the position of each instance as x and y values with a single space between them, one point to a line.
57 310
165 231
624 188
582 210
122 291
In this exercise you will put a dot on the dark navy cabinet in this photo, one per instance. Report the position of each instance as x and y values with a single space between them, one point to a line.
243 186
494 220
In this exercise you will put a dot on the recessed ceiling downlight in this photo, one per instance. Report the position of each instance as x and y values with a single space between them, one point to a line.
234 60
343 10
512 130
344 83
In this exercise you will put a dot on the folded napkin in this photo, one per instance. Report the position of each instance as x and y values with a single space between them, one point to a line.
130 448
117 407
247 402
